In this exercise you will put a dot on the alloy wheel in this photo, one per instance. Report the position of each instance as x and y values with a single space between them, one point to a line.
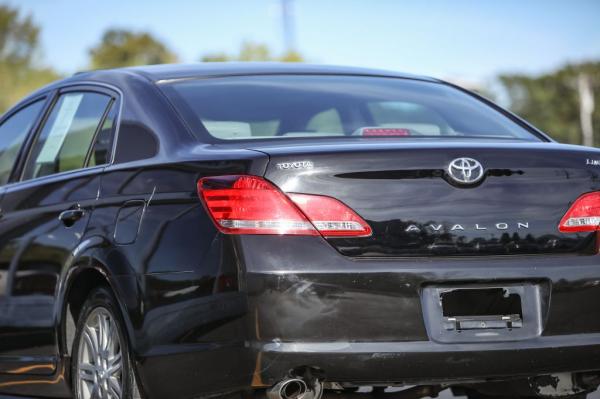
100 358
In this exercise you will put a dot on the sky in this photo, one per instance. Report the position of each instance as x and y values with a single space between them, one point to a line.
460 39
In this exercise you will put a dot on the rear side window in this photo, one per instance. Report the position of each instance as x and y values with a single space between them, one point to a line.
67 135
12 135
286 106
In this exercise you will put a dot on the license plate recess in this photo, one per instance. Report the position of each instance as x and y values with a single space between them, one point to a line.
482 312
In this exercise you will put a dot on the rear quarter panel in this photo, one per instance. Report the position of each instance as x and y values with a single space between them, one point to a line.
178 278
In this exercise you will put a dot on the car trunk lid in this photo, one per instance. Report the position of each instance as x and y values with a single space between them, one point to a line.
404 191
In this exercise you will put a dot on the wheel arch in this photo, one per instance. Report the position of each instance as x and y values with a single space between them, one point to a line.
94 264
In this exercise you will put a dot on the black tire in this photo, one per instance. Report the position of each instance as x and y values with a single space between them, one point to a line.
97 366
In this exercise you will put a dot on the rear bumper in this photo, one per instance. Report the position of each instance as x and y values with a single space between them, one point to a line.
361 321
428 362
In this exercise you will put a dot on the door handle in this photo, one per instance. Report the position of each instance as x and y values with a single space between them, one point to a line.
71 216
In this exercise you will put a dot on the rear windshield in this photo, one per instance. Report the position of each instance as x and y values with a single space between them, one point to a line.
291 106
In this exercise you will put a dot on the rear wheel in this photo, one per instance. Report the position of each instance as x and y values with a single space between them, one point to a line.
101 365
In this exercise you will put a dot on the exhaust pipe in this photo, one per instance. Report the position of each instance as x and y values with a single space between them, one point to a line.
296 388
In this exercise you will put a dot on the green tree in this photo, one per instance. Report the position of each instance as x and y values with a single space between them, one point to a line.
216 57
20 72
254 52
250 51
291 56
553 101
121 48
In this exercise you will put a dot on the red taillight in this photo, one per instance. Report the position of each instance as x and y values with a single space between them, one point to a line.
583 216
330 216
252 205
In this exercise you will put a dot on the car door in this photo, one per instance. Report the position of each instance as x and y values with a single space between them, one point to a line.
14 130
46 211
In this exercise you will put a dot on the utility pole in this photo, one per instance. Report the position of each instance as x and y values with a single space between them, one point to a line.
586 108
287 18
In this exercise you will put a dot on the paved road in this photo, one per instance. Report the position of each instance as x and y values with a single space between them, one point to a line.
448 395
